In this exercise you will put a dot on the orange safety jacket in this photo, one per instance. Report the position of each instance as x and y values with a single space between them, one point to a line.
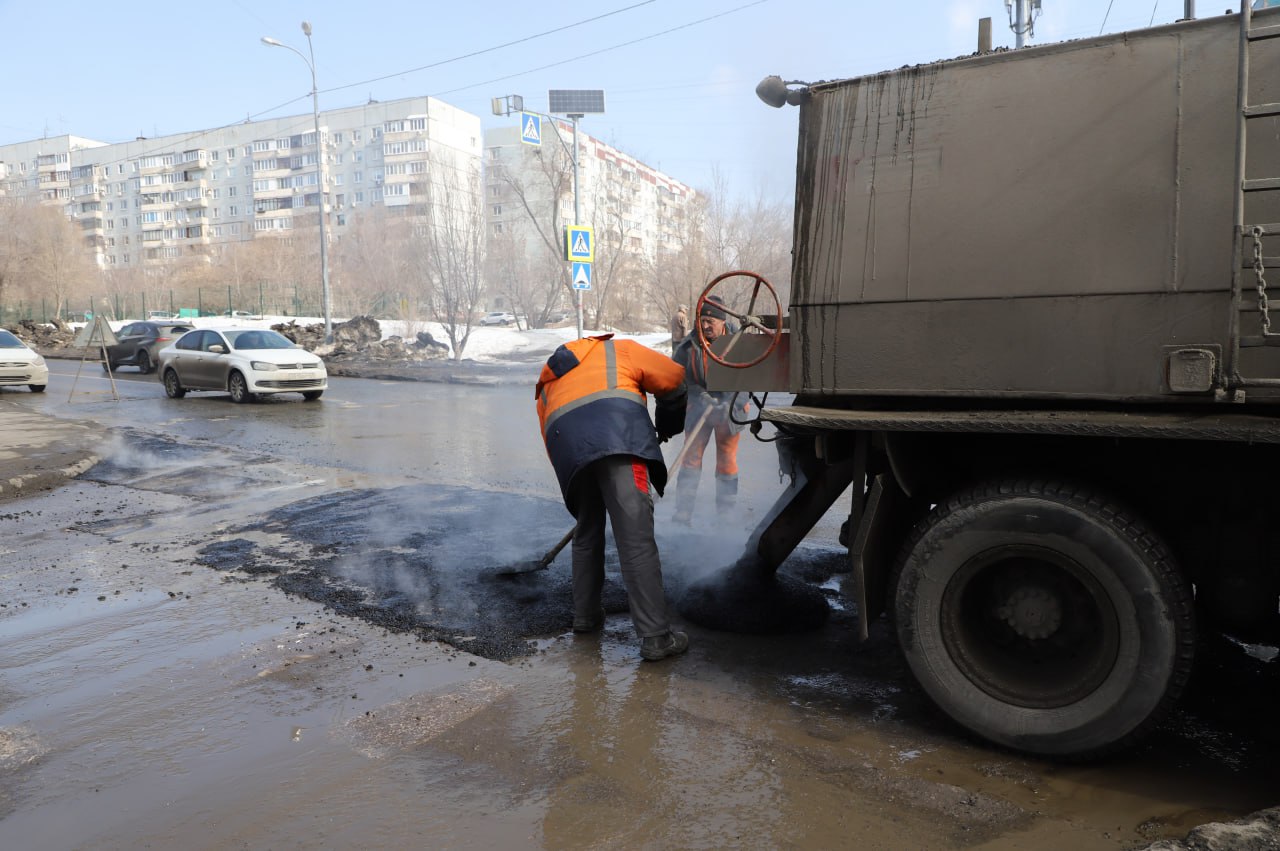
591 404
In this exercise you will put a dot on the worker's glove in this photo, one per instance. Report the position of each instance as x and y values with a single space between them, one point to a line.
669 421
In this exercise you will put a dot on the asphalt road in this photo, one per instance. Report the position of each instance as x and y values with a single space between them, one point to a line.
275 625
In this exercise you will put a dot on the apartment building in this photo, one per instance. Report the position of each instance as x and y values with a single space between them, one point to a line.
159 200
631 207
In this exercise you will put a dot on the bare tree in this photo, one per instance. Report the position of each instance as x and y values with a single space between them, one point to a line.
12 242
521 283
53 262
374 258
451 246
615 296
541 192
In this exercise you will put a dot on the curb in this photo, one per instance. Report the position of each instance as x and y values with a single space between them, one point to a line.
39 452
43 480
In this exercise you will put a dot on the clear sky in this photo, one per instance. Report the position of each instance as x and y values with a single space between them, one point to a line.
679 75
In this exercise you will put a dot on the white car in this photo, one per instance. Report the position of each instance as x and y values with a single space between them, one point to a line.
245 362
20 365
498 318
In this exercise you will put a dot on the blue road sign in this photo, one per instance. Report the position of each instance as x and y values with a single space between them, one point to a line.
578 244
581 276
530 128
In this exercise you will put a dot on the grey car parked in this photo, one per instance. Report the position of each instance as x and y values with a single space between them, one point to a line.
139 342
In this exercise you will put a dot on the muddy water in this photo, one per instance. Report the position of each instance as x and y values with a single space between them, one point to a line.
196 704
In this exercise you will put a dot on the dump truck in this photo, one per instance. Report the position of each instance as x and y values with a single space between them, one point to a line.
1029 335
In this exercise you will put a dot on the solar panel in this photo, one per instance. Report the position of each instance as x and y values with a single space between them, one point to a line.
575 101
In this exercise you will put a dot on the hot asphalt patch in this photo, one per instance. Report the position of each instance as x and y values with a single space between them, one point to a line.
427 560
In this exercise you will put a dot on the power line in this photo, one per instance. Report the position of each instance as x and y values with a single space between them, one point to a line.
490 49
1104 17
603 49
208 131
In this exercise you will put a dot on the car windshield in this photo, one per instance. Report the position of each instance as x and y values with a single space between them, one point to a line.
257 340
8 341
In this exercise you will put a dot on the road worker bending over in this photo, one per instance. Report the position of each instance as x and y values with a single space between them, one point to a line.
604 448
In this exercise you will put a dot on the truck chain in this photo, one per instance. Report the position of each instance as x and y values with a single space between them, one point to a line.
1261 281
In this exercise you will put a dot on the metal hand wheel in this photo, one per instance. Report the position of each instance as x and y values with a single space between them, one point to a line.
751 321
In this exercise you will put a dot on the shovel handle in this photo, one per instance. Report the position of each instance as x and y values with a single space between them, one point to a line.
555 551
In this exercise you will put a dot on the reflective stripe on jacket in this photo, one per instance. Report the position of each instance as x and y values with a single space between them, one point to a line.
591 403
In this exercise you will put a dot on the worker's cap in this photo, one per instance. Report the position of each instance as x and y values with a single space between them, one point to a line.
712 307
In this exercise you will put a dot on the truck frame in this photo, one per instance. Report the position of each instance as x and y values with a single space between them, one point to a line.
1029 333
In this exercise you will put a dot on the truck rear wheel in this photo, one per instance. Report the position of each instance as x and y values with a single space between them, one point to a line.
1043 618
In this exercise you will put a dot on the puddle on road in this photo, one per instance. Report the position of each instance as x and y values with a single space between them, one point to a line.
749 741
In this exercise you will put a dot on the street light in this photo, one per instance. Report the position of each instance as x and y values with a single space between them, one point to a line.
325 299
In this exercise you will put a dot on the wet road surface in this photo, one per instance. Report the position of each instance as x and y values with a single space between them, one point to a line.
159 686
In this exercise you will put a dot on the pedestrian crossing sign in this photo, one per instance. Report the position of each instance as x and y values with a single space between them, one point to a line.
581 276
530 128
578 244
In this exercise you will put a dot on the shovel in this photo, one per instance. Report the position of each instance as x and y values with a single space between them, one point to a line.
542 563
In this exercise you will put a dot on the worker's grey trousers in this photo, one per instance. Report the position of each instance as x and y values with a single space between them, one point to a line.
619 486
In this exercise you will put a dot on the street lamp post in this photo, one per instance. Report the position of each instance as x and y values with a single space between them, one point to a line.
575 103
325 298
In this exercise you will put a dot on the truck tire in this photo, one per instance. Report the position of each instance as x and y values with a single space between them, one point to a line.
1043 618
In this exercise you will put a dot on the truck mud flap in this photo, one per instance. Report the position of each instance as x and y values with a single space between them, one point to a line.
882 526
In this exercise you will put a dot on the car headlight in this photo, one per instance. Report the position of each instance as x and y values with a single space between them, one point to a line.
317 365
262 365
39 361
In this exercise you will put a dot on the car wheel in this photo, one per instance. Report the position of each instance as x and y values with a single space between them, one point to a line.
107 366
1044 618
239 389
37 388
312 395
172 386
144 362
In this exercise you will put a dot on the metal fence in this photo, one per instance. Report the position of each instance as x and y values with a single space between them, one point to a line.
204 301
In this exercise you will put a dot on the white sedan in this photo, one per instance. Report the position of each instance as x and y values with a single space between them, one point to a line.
244 362
21 365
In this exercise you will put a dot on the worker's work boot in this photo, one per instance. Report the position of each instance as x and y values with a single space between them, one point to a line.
726 493
587 625
657 647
